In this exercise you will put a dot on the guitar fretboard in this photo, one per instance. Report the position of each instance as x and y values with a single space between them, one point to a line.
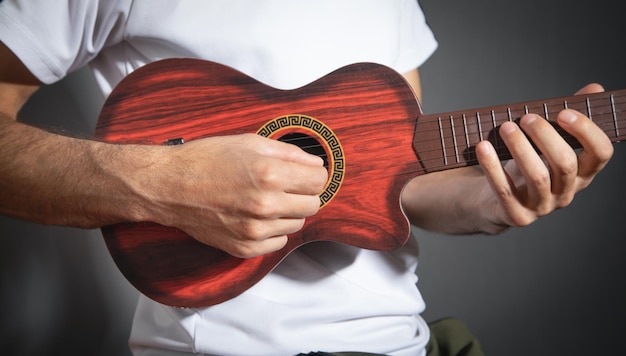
448 140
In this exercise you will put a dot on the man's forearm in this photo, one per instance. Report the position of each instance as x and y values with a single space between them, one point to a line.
432 202
53 179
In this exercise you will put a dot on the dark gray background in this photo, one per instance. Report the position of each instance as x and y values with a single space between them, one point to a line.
553 288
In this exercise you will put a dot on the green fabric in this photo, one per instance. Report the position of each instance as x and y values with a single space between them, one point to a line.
451 337
448 337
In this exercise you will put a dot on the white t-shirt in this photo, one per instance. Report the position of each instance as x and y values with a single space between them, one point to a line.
324 296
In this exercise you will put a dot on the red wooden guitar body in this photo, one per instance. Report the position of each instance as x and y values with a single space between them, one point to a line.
362 115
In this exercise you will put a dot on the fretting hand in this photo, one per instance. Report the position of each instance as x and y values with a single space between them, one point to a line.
531 186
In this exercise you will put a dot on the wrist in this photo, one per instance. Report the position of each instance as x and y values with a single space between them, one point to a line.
452 202
487 209
132 175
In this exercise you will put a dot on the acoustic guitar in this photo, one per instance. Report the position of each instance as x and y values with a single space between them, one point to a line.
363 120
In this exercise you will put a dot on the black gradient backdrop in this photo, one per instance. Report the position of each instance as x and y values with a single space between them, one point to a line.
553 288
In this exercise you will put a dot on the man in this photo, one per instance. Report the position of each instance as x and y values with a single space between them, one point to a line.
250 207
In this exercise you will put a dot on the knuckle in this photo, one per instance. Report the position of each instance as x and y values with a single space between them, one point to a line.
317 204
605 153
311 207
246 244
249 137
503 192
541 179
321 179
261 206
251 231
543 210
564 200
248 249
264 174
242 251
584 183
522 220
567 164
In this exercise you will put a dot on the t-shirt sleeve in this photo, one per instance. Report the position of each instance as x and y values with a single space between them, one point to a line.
417 42
53 38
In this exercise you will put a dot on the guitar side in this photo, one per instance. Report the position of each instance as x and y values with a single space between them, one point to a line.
370 111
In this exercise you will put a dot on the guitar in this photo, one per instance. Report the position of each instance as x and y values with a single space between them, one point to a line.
363 119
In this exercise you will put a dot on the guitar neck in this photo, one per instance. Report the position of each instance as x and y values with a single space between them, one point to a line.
448 140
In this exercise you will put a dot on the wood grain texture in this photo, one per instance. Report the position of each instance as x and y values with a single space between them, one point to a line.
372 113
369 107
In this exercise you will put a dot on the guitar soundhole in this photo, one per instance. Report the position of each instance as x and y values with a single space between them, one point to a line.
307 143
313 136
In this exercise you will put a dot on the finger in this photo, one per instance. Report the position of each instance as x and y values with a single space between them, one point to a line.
559 155
287 226
289 152
496 176
529 163
303 179
299 172
269 236
272 205
271 174
250 250
270 245
597 147
590 89
298 205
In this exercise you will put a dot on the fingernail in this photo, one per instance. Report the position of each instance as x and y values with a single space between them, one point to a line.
568 116
508 127
484 148
530 118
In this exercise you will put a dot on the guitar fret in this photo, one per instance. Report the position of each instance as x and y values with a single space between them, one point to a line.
487 121
480 126
443 142
613 111
493 121
456 147
467 142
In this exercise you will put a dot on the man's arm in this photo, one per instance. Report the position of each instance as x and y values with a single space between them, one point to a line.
226 192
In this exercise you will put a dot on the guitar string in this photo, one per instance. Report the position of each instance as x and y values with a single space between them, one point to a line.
615 121
500 148
464 129
428 169
487 132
